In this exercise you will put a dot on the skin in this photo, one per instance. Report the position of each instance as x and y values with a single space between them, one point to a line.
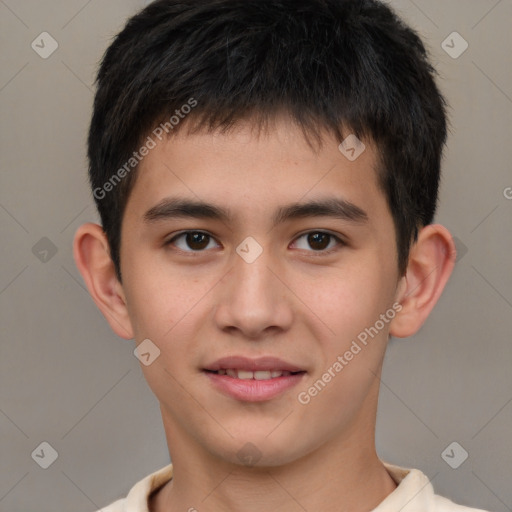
294 302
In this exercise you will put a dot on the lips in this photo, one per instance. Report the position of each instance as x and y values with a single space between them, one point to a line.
253 380
240 363
257 375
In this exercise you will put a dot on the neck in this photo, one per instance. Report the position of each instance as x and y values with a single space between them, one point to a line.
345 475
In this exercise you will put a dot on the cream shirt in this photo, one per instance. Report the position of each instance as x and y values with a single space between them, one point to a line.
413 494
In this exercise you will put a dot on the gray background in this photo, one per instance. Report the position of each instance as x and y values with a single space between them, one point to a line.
68 380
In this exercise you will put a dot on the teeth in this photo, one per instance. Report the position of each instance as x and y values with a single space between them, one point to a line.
257 375
262 375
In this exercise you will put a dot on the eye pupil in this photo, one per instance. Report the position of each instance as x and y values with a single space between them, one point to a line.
197 241
314 239
194 240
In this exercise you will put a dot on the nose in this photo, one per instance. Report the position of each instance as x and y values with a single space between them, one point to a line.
254 299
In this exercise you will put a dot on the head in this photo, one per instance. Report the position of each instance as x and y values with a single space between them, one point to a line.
330 65
243 103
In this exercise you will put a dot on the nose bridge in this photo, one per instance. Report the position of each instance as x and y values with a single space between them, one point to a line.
252 300
255 274
253 282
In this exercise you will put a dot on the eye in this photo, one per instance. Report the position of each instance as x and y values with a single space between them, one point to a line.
195 240
319 241
198 241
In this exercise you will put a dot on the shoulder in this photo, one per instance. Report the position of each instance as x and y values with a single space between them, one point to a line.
414 493
117 506
137 498
442 504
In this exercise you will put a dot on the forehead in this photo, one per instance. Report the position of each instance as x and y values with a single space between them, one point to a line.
246 170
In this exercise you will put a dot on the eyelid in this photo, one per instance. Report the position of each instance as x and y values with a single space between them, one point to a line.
175 236
340 240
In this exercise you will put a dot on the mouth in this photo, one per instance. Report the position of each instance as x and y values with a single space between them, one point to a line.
253 380
255 375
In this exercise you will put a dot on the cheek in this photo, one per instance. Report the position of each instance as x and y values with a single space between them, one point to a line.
348 301
168 310
155 301
151 309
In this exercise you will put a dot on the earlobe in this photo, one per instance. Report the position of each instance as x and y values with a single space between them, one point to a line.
92 257
431 262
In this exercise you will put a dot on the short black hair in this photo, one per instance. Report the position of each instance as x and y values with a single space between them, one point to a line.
345 66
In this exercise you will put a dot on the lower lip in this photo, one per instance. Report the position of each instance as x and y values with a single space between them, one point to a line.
252 390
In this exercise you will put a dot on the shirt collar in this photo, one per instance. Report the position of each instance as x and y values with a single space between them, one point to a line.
414 491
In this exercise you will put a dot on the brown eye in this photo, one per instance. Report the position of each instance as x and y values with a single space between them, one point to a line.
319 241
194 241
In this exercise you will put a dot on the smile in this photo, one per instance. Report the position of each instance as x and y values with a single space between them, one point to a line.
256 375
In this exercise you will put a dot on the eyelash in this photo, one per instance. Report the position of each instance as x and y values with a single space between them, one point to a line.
315 253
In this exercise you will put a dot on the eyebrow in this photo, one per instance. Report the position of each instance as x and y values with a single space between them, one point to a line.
171 208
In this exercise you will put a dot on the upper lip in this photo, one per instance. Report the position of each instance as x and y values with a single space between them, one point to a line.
252 365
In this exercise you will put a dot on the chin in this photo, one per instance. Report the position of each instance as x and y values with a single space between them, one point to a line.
258 451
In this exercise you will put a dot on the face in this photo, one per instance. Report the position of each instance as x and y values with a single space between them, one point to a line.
265 273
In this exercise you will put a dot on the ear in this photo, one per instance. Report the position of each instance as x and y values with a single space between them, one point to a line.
92 256
431 262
